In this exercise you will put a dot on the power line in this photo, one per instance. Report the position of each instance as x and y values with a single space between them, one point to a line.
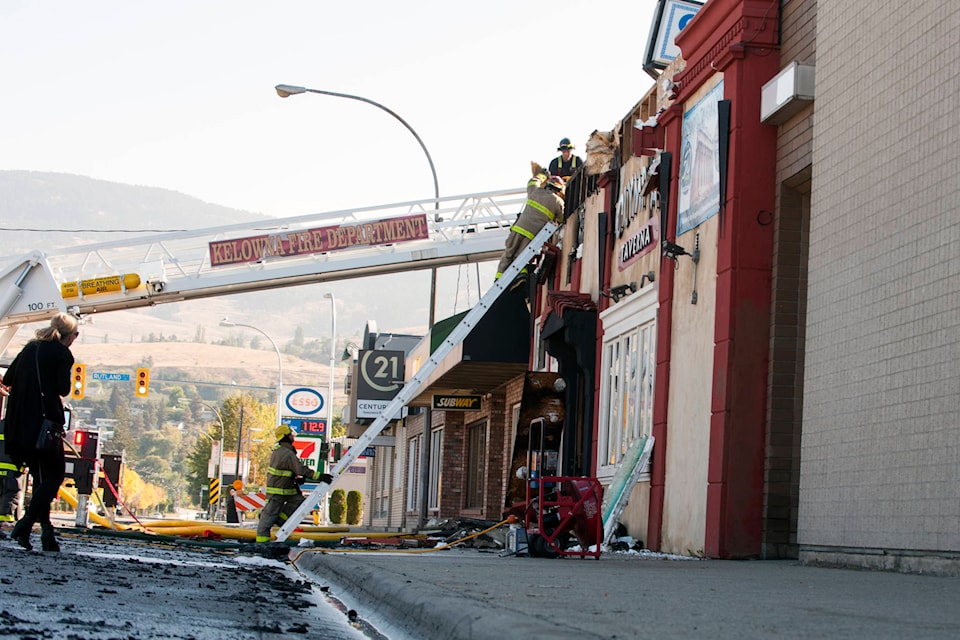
92 230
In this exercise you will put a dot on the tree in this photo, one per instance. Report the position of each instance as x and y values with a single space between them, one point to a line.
258 421
174 395
337 430
139 494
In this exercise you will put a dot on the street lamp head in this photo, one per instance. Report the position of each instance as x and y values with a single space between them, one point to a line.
328 295
226 323
287 90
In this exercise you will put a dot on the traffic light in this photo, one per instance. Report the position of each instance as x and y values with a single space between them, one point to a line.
143 382
87 443
79 382
337 451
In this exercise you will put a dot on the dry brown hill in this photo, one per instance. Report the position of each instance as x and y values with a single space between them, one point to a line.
209 363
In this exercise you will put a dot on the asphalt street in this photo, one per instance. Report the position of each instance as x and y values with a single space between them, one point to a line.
101 587
104 586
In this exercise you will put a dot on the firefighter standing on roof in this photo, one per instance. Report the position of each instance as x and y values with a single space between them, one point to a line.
565 164
284 476
544 203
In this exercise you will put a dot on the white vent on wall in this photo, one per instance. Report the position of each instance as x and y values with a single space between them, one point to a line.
787 94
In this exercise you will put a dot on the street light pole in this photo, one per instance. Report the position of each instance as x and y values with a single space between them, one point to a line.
333 359
287 90
228 323
219 448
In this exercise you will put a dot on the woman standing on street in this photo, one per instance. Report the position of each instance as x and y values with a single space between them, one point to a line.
38 377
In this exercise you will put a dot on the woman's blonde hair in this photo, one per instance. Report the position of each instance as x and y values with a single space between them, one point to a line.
62 324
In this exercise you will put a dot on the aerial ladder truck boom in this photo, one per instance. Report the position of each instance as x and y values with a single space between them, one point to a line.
252 256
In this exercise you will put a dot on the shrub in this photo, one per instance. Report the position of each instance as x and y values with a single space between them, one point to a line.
338 506
354 507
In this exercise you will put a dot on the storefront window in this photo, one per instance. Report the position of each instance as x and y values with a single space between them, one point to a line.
629 363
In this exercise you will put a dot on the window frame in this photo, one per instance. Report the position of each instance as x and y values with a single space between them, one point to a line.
628 366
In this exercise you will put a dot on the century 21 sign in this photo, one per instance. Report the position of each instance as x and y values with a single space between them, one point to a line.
380 374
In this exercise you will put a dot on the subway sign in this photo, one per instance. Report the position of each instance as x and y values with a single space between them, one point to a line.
457 403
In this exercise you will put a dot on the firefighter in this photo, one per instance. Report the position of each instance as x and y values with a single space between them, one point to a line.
544 202
9 487
565 164
285 474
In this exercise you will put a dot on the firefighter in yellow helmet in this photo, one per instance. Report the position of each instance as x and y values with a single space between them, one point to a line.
544 202
285 473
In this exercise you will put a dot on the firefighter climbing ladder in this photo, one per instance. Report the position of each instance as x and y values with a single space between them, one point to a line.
412 387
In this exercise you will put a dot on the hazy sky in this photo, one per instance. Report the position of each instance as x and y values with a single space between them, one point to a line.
180 94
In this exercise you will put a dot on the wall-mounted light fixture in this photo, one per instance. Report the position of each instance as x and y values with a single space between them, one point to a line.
673 251
623 290
620 291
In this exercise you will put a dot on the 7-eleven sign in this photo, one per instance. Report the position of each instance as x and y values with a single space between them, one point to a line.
308 448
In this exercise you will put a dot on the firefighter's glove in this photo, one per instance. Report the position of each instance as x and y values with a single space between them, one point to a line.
300 480
537 169
325 478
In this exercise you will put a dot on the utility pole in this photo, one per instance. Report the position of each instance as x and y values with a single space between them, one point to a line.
239 475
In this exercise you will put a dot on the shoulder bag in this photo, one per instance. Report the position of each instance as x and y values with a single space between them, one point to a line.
50 431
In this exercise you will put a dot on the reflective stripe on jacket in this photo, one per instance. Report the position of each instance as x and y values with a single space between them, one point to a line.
542 205
284 468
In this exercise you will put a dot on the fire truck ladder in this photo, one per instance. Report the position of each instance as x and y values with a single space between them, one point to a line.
412 386
185 265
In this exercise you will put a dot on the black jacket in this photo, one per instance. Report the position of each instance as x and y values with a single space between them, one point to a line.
24 414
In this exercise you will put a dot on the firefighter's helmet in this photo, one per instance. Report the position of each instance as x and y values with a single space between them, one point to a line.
557 184
282 432
565 144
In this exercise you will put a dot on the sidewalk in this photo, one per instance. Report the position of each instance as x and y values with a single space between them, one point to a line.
479 595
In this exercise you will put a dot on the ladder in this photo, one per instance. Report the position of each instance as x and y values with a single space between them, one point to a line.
412 386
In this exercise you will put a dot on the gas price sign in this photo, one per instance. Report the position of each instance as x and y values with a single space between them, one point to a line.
314 428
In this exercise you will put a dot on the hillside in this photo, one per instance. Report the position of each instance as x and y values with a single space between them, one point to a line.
207 363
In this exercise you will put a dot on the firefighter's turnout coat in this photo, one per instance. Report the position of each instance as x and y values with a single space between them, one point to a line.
542 205
283 492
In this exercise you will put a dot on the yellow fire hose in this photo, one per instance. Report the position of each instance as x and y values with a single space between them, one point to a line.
510 519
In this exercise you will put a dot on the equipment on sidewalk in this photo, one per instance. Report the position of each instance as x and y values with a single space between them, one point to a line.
557 508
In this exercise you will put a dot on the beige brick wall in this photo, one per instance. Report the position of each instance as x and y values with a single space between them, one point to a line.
881 430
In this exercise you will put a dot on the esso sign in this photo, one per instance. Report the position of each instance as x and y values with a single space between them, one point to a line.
304 402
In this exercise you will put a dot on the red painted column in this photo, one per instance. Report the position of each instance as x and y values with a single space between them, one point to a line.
738 39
